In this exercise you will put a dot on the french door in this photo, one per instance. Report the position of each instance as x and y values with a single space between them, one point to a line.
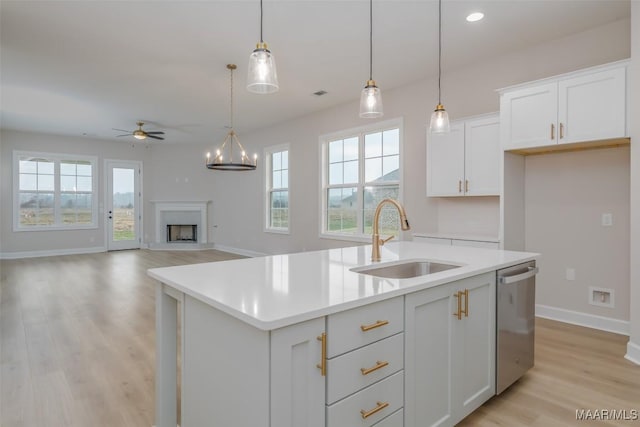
123 213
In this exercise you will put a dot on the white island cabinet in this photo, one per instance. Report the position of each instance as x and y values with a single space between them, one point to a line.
301 340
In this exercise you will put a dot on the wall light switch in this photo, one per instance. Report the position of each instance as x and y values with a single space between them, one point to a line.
607 219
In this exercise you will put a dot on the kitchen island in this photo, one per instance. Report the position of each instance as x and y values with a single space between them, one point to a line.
303 340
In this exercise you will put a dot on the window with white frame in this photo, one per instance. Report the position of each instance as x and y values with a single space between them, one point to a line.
277 194
54 191
360 168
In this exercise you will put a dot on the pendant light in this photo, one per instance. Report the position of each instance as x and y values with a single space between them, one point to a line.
439 118
262 77
371 97
219 161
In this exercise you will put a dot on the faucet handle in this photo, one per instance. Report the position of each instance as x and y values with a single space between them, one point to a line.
383 241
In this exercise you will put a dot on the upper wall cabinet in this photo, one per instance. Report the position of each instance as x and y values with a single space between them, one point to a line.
465 161
584 106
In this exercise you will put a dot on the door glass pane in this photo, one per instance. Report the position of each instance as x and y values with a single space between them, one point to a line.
124 200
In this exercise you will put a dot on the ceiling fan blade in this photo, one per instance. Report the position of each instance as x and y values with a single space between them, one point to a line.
154 137
126 134
121 130
155 133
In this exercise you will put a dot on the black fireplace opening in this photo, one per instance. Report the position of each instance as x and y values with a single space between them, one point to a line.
185 233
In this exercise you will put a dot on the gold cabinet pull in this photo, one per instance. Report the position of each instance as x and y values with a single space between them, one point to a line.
466 185
561 130
466 302
553 131
379 323
323 362
379 407
458 314
459 186
379 365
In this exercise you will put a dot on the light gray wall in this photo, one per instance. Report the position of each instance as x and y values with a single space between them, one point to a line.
634 297
61 241
565 196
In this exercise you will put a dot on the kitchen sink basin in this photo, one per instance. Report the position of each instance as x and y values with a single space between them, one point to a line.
404 270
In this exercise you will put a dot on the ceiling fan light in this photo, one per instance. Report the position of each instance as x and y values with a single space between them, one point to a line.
439 120
262 76
371 101
138 134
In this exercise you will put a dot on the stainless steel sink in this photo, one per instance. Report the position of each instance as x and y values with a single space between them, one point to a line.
405 270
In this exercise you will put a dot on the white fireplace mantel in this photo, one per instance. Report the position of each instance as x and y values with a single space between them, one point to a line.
190 206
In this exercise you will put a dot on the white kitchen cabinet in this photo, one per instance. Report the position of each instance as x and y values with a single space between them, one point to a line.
297 384
465 161
589 105
449 358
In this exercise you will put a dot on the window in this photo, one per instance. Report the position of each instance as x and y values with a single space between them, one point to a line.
277 179
53 191
360 168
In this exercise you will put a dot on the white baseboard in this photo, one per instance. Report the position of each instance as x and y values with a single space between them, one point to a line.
633 352
238 251
52 252
583 319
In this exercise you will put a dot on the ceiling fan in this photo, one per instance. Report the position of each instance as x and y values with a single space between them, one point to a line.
141 134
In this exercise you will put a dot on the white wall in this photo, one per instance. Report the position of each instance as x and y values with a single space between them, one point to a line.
57 241
633 348
565 196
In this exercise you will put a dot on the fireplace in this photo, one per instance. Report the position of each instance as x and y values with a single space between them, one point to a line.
182 233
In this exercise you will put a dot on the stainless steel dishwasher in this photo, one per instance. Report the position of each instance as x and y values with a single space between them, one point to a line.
515 320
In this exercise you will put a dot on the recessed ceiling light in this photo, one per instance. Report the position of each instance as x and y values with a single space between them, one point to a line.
320 93
475 16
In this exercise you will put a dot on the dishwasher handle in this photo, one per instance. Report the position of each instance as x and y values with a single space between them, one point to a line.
532 271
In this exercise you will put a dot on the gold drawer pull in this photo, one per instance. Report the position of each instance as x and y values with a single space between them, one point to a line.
379 323
458 295
379 407
466 302
323 362
379 364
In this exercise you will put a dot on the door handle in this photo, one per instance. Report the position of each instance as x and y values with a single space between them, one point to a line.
532 271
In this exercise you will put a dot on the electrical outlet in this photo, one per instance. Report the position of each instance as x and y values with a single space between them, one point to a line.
601 297
570 274
607 220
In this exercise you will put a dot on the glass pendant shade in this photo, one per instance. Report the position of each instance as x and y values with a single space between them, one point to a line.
371 101
439 120
262 76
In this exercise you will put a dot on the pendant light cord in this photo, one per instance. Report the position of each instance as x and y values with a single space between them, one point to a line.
439 47
261 13
370 39
231 100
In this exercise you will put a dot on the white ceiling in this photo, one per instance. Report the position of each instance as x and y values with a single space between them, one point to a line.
85 67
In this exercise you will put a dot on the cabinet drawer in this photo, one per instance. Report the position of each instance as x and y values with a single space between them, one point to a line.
388 394
345 330
394 420
345 372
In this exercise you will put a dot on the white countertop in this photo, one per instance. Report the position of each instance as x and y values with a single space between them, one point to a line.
276 291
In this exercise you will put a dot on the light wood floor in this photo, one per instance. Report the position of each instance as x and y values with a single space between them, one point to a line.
77 348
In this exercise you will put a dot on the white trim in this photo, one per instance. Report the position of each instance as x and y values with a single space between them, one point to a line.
633 353
602 323
238 251
52 252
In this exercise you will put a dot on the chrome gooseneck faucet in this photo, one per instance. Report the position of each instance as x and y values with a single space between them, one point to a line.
376 240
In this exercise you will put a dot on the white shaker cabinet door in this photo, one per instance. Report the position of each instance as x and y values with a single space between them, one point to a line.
592 107
297 384
429 357
445 162
481 156
528 116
